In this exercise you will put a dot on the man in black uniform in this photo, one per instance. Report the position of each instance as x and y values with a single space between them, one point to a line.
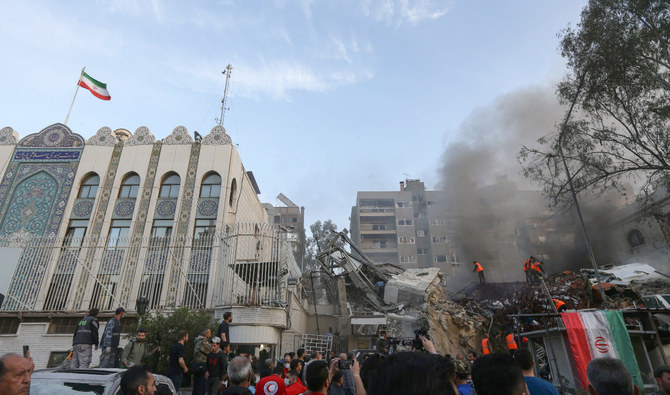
85 337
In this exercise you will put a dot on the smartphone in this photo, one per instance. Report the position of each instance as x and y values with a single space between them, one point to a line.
345 364
25 351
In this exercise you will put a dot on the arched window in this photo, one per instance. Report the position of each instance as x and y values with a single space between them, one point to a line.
233 192
170 186
130 186
635 238
89 188
211 186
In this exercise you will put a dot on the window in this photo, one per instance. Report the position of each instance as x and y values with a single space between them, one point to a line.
440 239
408 259
419 215
9 325
56 358
118 233
233 191
170 187
89 187
162 229
403 221
403 204
130 186
204 228
438 221
211 186
74 235
422 251
406 240
378 227
635 238
440 258
63 325
420 233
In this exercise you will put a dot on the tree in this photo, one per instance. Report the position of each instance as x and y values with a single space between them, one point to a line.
162 331
322 233
619 80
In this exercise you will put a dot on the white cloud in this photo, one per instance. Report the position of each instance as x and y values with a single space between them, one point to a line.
399 12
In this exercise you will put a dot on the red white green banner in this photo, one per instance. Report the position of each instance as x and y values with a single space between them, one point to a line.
600 334
97 88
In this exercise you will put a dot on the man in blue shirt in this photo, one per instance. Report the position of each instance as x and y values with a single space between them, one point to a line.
536 385
461 377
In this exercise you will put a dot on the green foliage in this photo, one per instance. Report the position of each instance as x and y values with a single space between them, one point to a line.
619 60
322 233
162 330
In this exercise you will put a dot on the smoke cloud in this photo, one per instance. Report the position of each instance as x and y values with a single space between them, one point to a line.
493 210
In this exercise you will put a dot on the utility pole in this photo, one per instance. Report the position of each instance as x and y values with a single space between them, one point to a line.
226 72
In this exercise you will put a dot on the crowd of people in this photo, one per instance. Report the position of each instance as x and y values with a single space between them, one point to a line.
214 369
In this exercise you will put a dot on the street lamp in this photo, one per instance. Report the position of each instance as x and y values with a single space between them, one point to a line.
141 304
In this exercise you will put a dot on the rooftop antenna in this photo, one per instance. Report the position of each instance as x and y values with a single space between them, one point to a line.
226 72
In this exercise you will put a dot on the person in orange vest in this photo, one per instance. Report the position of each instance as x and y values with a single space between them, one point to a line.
480 271
560 305
537 267
486 346
526 268
511 343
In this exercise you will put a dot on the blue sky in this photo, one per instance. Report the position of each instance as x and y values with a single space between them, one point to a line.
327 97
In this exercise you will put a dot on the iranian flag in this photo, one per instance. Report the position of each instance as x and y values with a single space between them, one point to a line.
600 334
97 88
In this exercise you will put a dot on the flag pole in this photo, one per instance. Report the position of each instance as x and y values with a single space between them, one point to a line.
75 95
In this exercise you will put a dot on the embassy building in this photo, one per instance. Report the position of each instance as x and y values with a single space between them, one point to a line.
123 217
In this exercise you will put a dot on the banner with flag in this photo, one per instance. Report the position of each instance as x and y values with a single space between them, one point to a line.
600 334
97 88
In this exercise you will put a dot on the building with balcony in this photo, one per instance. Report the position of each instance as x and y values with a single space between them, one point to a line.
407 227
104 221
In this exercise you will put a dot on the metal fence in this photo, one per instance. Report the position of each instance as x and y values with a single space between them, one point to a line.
247 265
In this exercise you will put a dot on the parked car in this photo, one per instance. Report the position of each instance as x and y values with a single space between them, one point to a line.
84 381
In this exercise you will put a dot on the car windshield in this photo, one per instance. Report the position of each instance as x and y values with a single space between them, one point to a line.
651 302
666 297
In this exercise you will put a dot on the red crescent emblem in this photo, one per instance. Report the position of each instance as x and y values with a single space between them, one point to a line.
601 345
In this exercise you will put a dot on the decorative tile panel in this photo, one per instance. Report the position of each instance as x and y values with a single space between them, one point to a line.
207 208
140 223
166 208
217 136
124 208
8 136
82 208
179 135
183 222
33 194
104 137
142 136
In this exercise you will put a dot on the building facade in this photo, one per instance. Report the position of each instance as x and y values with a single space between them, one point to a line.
104 221
406 227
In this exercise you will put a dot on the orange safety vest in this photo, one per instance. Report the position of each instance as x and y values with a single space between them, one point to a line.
558 303
511 343
478 267
536 266
486 349
526 265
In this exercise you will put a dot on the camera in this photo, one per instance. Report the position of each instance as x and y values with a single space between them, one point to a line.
345 364
417 343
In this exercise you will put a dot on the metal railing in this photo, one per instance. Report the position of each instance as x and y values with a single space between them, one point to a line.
247 264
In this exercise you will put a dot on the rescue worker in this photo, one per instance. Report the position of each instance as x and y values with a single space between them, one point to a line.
560 305
85 337
537 267
526 269
480 271
511 343
486 346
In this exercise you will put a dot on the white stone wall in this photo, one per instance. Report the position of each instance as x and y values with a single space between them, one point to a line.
34 334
